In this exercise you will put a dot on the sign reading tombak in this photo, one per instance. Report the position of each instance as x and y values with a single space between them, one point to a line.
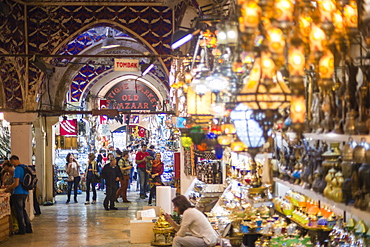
128 95
126 64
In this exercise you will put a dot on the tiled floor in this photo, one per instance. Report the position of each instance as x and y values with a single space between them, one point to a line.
77 224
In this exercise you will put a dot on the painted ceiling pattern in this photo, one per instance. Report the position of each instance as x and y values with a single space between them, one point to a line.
12 41
12 88
51 26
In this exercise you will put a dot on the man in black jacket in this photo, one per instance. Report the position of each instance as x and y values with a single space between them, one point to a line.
111 173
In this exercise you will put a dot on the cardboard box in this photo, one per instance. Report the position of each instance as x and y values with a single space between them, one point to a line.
4 228
141 231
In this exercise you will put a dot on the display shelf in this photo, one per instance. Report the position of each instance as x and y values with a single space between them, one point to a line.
331 137
349 210
325 229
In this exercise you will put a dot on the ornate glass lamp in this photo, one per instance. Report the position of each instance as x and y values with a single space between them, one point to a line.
264 92
248 130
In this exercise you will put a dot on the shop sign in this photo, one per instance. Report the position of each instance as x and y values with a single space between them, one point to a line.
68 127
126 64
129 95
102 105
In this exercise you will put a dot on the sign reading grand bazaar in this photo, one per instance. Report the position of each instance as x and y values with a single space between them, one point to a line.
128 95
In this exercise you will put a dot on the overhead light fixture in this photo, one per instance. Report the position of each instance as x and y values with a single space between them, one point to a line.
109 41
146 67
181 37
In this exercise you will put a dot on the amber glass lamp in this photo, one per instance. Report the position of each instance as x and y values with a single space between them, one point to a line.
262 91
317 40
238 146
284 13
298 109
326 69
225 140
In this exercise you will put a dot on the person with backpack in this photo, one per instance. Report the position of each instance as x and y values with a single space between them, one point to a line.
19 196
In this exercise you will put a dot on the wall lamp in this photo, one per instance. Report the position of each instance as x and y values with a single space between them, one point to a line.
109 41
181 37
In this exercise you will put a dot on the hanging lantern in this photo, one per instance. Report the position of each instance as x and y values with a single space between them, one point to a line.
326 8
350 15
202 146
257 96
197 134
296 61
227 33
268 69
249 130
216 82
210 140
317 40
305 22
250 17
238 67
188 77
199 85
219 151
196 104
186 141
221 34
238 146
276 40
228 128
224 140
338 22
298 109
326 69
216 129
284 13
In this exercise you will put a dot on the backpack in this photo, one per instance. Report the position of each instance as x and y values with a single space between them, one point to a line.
29 179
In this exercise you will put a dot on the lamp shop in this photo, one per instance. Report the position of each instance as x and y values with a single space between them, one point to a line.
260 109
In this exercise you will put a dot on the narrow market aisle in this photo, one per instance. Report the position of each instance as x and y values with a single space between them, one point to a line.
76 224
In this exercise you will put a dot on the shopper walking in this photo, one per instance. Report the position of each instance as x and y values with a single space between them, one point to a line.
193 221
155 176
141 168
118 157
111 173
91 171
100 163
19 197
74 178
125 166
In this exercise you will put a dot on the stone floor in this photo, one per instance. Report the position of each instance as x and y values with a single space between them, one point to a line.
76 224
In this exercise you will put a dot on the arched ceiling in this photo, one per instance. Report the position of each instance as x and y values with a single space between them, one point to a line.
100 69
